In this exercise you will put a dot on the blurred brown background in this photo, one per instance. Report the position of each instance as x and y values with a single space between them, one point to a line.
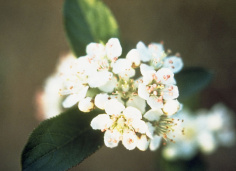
32 39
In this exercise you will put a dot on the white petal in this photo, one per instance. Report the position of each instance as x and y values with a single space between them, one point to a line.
132 113
142 143
153 115
95 50
118 98
86 104
171 92
84 65
129 140
148 73
99 78
65 62
207 142
165 75
127 73
154 103
171 107
83 92
109 86
137 102
121 65
100 100
151 129
144 53
113 106
101 122
113 48
134 56
71 100
170 152
111 138
142 91
155 143
146 69
139 126
156 49
173 63
49 98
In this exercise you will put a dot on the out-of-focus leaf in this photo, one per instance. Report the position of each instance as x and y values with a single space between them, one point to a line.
88 21
61 142
191 81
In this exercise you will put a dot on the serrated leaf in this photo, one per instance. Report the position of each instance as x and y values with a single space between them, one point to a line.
88 21
61 142
191 81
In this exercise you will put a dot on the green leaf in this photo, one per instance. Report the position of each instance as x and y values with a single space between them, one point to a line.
88 21
191 81
61 142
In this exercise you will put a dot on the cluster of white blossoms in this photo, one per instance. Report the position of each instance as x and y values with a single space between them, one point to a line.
204 131
138 93
48 100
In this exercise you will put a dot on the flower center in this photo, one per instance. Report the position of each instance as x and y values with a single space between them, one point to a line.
166 126
155 89
125 88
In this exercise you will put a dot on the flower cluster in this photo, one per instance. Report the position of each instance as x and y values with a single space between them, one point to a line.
138 93
204 131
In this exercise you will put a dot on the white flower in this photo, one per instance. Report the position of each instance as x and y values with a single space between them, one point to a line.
126 88
109 86
143 143
159 126
96 50
204 131
130 140
153 52
171 107
98 79
123 67
137 102
144 52
100 100
113 107
76 81
207 142
112 138
157 86
220 120
155 142
101 122
185 145
153 115
49 100
126 121
86 104
174 63
113 49
156 56
77 93
64 63
134 56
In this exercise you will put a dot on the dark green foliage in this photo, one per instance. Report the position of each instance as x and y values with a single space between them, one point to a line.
88 21
61 142
191 81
